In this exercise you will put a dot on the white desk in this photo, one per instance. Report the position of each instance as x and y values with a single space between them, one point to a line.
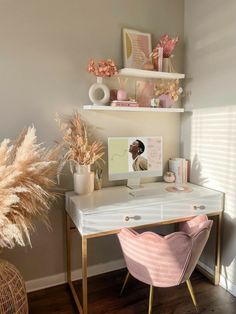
106 211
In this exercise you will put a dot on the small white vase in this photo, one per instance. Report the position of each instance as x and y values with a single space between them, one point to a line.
83 180
99 93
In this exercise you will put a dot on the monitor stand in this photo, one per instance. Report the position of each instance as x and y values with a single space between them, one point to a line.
134 183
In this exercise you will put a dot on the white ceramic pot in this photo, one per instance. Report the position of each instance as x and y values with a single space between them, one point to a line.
83 180
99 93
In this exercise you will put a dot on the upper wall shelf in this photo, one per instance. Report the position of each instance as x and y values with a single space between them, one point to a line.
149 74
133 109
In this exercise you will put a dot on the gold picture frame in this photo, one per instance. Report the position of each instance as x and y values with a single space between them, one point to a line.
137 48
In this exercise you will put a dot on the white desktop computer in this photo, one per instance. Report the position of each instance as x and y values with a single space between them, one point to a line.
133 158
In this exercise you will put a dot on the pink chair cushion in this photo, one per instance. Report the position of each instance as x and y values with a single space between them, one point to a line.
163 261
194 225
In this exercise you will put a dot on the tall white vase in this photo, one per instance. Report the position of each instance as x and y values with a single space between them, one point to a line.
83 180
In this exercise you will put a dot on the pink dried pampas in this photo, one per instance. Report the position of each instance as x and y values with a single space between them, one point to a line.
168 44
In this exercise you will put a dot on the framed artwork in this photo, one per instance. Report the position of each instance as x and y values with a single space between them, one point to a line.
137 48
144 92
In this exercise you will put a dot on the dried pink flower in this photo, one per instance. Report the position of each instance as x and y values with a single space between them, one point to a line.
104 68
168 45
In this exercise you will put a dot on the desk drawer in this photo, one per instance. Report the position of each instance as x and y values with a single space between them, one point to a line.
150 213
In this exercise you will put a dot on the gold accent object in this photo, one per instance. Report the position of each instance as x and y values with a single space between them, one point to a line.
195 207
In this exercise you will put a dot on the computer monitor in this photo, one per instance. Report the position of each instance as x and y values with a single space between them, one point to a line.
132 158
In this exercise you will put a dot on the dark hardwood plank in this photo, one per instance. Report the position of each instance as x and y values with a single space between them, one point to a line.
104 297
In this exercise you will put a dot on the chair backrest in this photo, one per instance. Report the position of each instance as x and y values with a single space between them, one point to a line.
199 229
161 261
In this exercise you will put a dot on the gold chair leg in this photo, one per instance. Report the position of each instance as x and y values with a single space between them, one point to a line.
124 284
150 300
190 289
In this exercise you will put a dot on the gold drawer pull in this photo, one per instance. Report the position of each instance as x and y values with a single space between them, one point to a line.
199 207
127 218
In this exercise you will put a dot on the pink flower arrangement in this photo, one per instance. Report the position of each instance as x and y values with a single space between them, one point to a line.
168 45
104 68
170 88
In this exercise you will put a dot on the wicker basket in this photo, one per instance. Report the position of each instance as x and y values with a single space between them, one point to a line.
13 297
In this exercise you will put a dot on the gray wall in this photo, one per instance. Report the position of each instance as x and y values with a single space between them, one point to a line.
208 132
45 47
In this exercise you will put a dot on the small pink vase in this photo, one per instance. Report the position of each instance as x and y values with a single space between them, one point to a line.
166 101
121 94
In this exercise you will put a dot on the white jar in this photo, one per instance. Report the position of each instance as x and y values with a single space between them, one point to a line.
83 180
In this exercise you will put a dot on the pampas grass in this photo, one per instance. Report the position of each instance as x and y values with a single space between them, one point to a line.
79 150
27 176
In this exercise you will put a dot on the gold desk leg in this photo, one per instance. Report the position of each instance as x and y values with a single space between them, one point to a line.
68 248
215 278
218 250
68 255
84 275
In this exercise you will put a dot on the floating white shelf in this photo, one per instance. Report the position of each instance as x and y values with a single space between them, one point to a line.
133 109
149 74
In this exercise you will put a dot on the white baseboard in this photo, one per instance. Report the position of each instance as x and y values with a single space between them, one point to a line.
206 267
224 282
58 279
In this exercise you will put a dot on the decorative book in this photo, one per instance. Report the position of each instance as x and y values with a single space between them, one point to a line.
124 103
180 167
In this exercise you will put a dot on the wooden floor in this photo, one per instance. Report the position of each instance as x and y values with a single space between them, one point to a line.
104 297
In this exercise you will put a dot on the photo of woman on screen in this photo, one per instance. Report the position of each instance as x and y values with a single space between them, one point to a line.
139 162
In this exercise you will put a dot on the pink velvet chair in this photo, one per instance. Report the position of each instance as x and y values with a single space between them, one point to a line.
165 261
